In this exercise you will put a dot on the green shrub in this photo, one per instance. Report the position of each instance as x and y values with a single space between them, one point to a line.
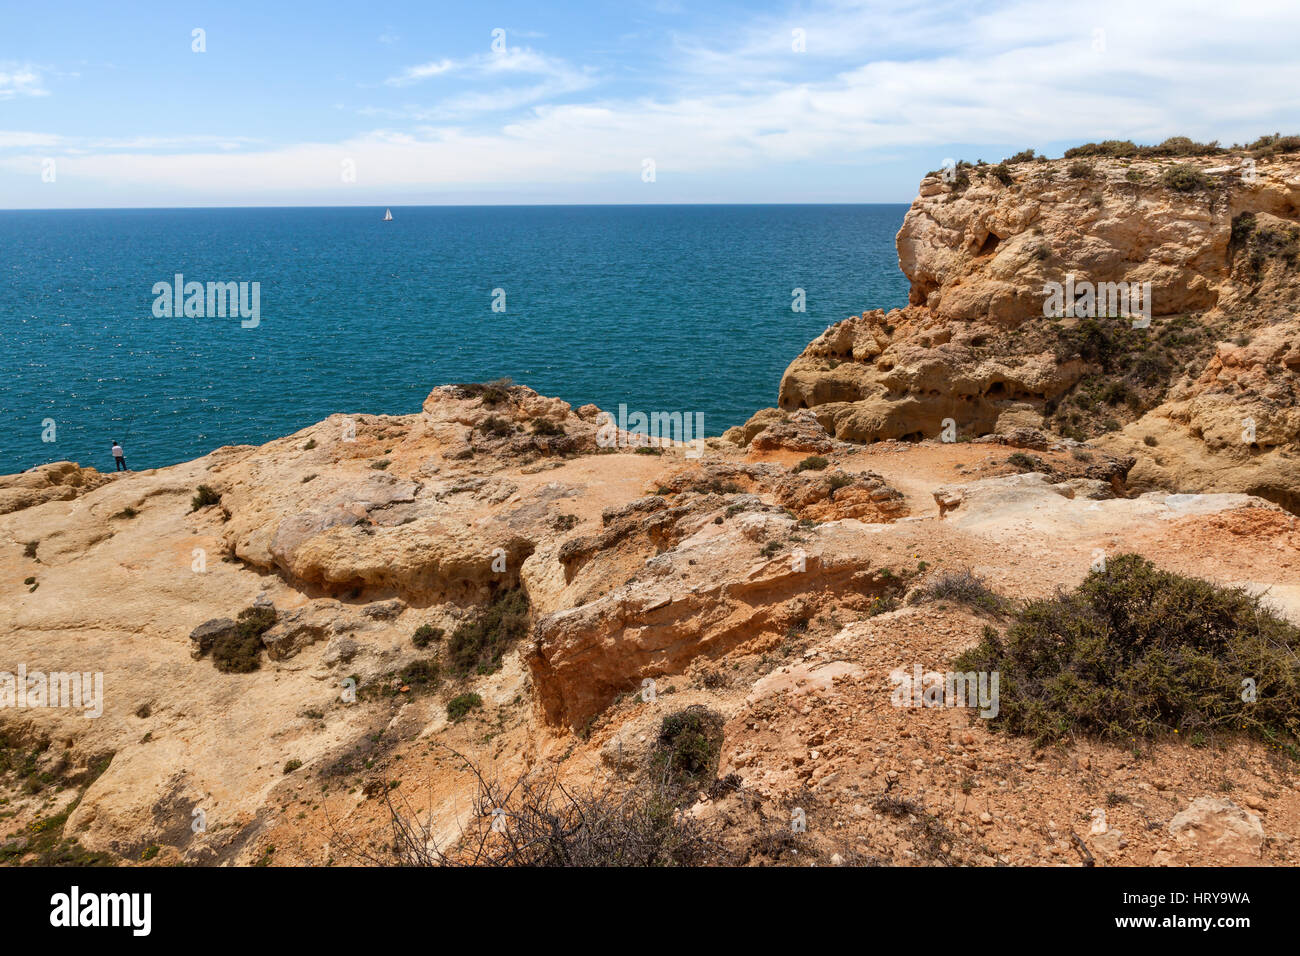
498 427
1243 225
1277 143
812 463
291 765
203 496
689 744
421 675
1181 146
1135 652
462 704
1079 170
480 642
425 634
1182 178
1111 148
544 426
241 652
1002 174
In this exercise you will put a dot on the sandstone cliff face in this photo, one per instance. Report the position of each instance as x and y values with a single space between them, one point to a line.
1205 398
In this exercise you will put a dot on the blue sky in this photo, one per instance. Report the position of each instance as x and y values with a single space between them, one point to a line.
289 97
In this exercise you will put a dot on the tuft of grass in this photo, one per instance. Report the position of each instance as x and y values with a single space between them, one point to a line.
812 463
1137 652
421 675
1024 462
491 393
840 480
204 496
883 605
462 704
426 634
127 513
965 587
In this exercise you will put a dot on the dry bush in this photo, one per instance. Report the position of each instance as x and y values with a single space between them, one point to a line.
537 820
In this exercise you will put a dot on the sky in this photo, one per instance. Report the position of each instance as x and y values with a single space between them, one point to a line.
405 103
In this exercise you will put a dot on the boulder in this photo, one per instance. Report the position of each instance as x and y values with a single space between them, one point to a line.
1219 824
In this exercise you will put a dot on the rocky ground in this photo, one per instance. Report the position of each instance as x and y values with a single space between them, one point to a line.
777 579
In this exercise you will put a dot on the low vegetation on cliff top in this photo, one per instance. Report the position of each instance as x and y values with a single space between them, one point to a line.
1175 147
1138 652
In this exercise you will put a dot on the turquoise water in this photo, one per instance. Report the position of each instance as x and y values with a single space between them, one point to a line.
661 308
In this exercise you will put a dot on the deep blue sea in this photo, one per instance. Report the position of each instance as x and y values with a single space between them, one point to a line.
661 308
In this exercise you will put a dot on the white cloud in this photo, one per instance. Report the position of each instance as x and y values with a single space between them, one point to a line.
414 74
874 79
22 80
17 139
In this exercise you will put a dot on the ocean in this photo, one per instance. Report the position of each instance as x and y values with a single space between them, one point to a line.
659 308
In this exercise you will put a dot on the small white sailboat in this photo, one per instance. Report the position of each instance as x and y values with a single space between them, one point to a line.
388 215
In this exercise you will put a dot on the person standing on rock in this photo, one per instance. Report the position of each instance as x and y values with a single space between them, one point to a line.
119 456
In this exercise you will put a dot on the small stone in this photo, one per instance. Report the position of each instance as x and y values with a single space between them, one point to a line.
207 633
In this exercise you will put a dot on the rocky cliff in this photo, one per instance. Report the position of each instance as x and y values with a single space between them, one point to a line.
1200 384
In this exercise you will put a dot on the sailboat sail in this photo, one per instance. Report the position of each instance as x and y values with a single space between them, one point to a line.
388 215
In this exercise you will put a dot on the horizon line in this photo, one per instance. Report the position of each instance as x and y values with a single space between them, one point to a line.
381 205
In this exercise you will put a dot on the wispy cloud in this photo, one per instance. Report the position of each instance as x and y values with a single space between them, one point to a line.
414 74
20 80
556 77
